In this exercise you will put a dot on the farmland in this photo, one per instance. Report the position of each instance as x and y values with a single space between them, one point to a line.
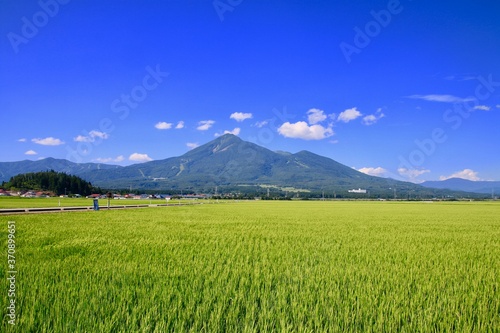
17 202
257 267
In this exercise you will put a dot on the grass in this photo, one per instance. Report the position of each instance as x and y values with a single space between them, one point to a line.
259 267
18 202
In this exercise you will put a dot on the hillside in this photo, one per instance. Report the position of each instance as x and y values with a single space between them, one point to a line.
57 183
10 169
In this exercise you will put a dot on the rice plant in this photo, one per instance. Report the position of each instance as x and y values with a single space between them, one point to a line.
259 267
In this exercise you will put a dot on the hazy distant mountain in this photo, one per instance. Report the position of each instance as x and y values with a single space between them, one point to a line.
230 163
9 169
459 184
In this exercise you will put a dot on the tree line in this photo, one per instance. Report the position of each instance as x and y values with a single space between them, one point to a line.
58 183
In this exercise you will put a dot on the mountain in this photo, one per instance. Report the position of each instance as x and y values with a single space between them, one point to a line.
459 184
231 164
10 169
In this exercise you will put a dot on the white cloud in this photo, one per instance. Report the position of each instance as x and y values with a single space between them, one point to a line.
349 114
97 134
179 125
139 157
91 137
110 159
235 131
373 118
442 98
192 145
300 130
370 119
379 171
315 116
482 107
412 174
498 106
263 123
31 152
82 138
50 141
240 116
205 125
464 174
163 125
22 140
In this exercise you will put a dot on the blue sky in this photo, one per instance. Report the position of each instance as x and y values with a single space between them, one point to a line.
402 89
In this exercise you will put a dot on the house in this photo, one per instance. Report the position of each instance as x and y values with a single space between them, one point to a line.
4 193
359 190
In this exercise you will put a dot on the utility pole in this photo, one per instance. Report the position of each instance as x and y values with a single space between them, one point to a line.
109 195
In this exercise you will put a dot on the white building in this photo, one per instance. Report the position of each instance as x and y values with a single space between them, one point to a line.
359 190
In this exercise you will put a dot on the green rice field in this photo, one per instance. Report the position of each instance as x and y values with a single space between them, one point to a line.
257 266
18 202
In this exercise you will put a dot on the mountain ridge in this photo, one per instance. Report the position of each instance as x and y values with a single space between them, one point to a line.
9 169
234 164
460 184
231 162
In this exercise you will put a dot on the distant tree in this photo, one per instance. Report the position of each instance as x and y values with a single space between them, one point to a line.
51 181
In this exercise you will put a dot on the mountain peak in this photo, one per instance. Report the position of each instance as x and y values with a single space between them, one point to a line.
228 137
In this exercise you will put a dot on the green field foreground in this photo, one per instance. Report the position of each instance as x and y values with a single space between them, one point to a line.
18 202
258 267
